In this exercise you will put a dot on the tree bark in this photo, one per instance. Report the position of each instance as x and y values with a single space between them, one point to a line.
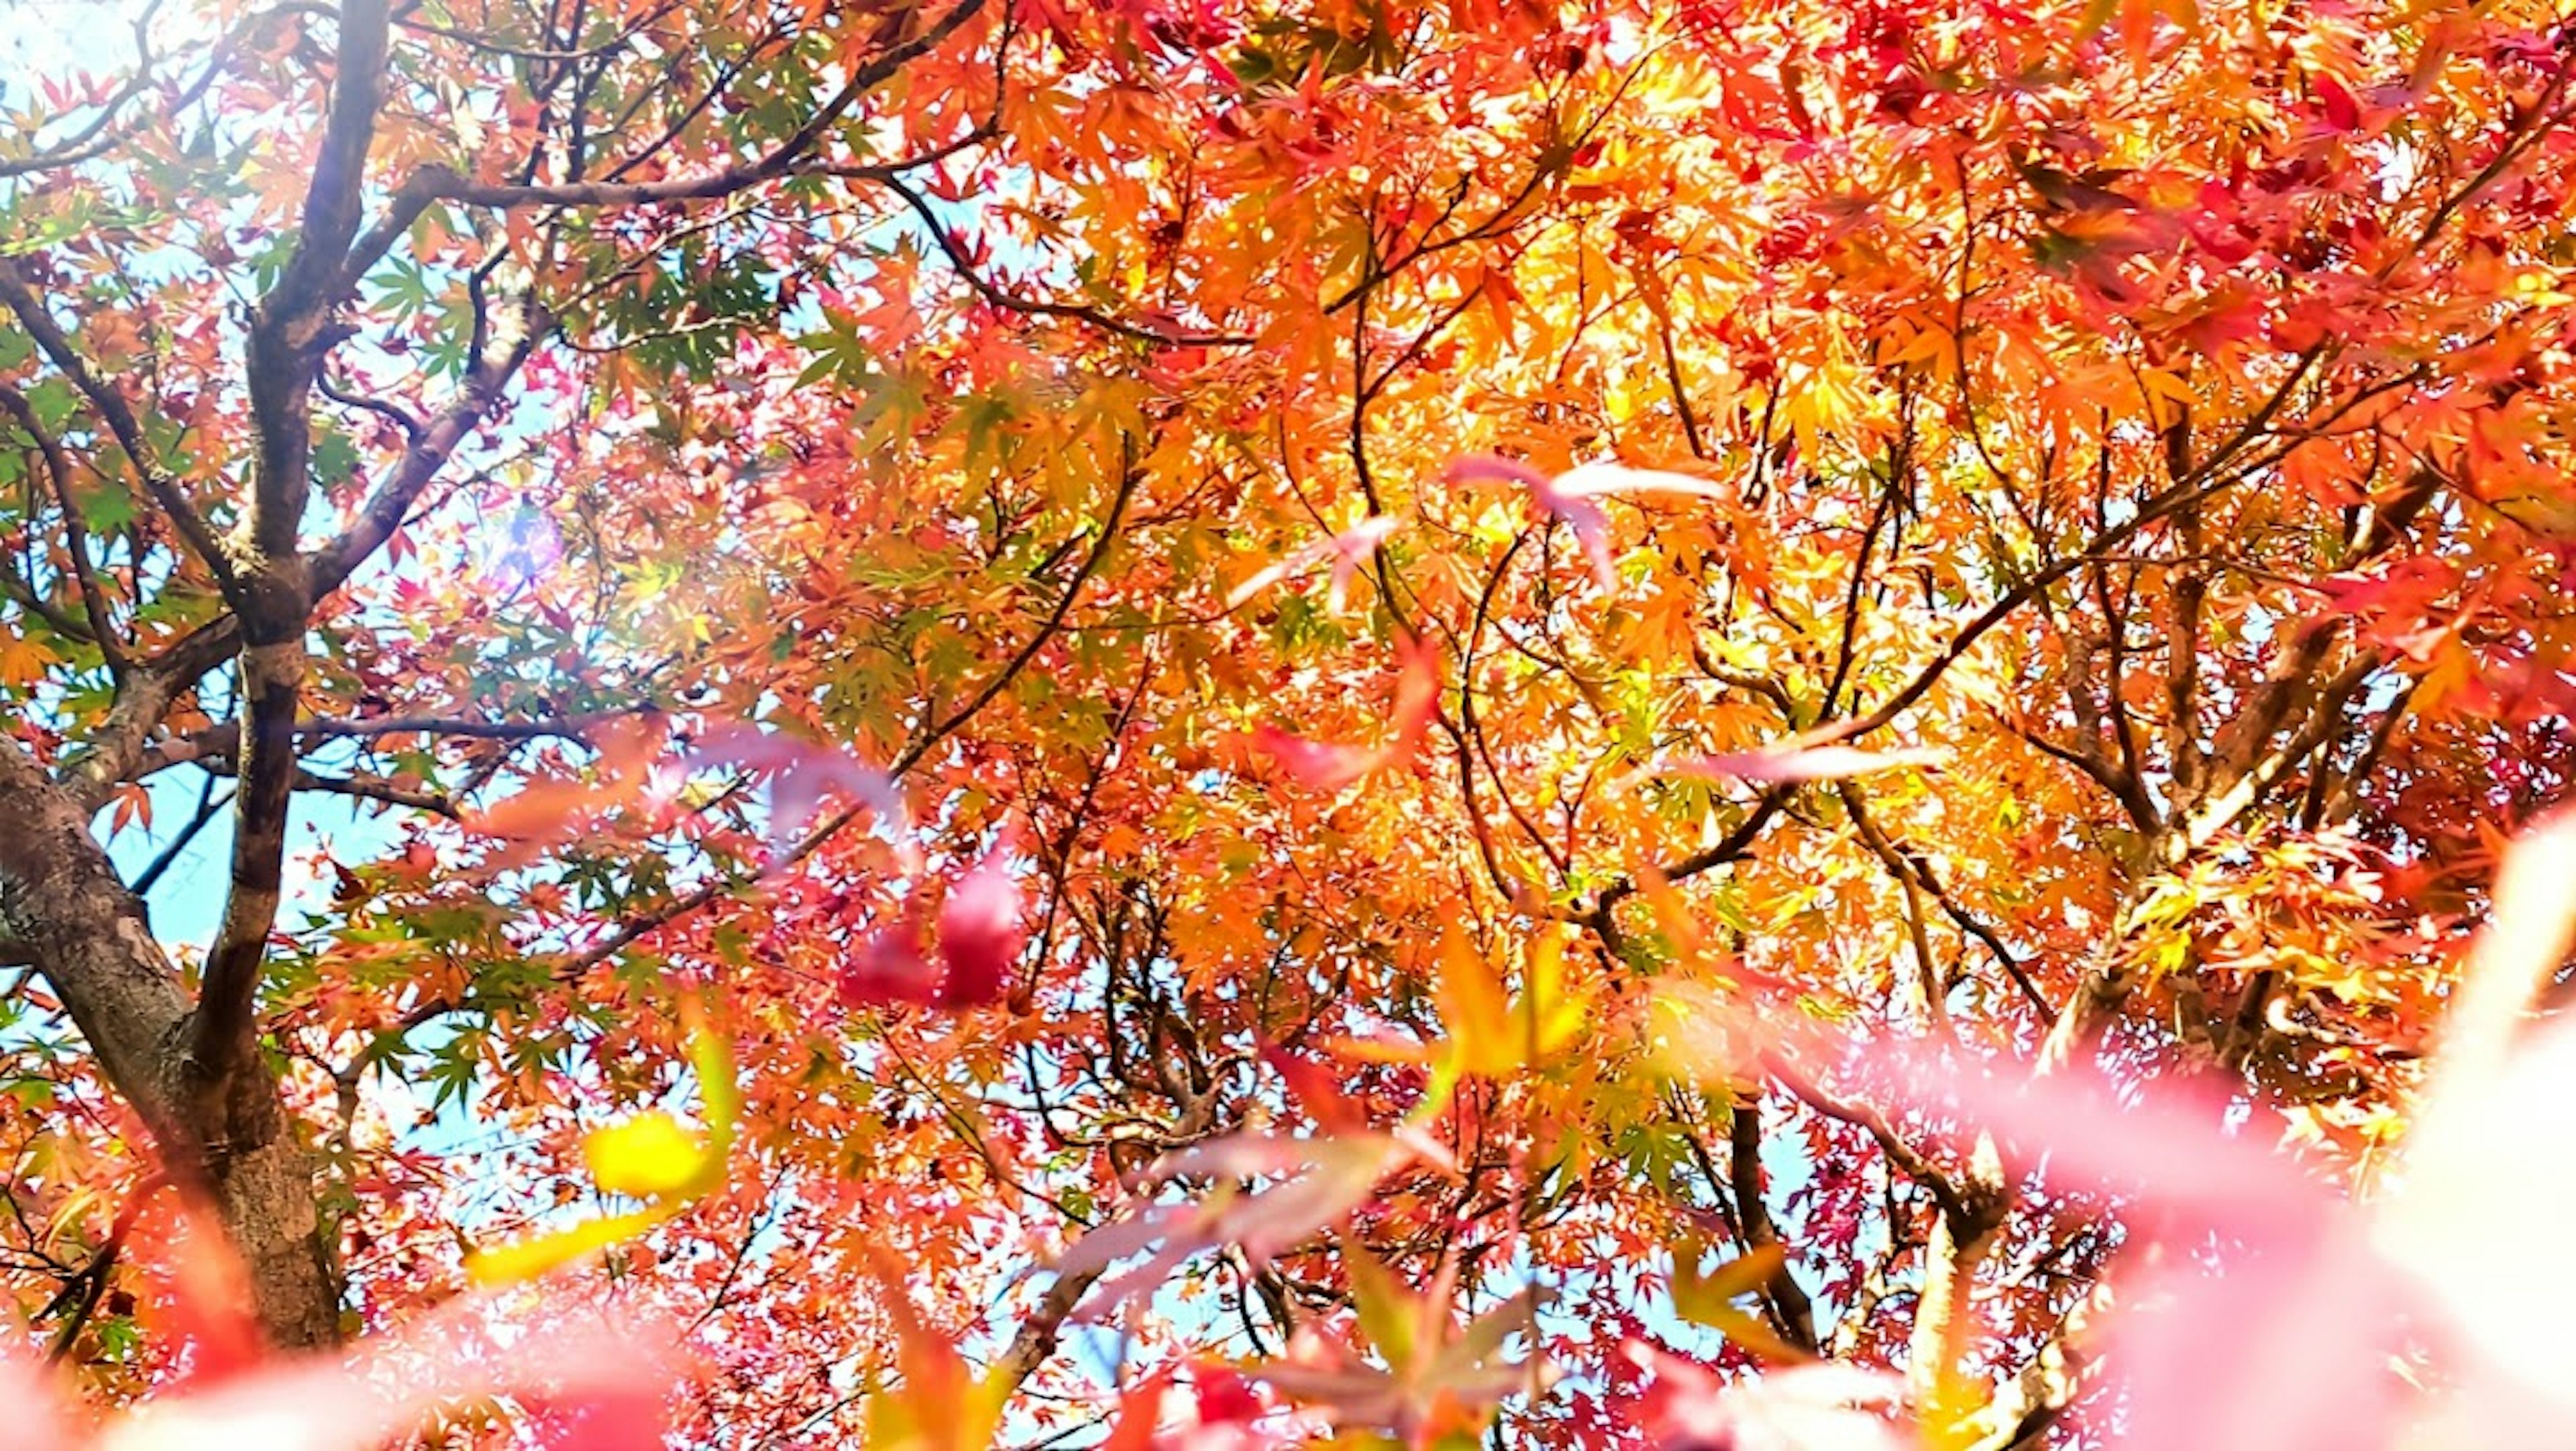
236 1147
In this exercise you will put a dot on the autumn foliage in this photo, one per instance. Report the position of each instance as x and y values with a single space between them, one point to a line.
1212 723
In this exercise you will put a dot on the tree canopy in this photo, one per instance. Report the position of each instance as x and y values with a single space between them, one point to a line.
1068 722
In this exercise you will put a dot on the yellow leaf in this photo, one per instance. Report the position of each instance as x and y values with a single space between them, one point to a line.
1387 1309
2453 666
649 1157
1696 1292
941 1405
1549 1012
1491 1034
527 1259
2167 395
1472 1008
645 1157
1710 1298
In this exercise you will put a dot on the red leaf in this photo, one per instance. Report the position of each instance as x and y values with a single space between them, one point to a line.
2342 111
979 942
1317 1091
546 812
980 936
890 969
1330 767
1320 764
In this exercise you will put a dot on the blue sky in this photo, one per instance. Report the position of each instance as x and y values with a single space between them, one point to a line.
188 901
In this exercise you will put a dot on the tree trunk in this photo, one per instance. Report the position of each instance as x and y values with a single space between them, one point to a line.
86 934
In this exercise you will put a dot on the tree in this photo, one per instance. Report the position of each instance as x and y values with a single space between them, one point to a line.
2033 531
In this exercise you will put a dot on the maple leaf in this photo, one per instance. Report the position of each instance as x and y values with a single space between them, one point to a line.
1795 763
1330 766
2404 591
1568 497
802 776
24 660
1316 1090
650 1157
980 935
1486 1032
1440 1380
942 1404
1709 1296
133 808
590 1383
546 812
1350 551
1318 1182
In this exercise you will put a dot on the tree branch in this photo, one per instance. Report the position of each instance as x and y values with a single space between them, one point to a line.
357 786
1796 1312
1036 1338
973 276
292 328
18 295
115 751
390 504
85 581
439 183
220 1036
2202 481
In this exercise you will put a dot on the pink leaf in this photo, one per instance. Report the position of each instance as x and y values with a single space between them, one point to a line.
1319 1181
1352 549
889 968
1330 767
1822 1407
1567 497
35 1419
1494 466
979 942
2488 1173
595 1385
1803 763
1598 480
802 775
2269 1324
2254 1310
1349 550
1324 765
